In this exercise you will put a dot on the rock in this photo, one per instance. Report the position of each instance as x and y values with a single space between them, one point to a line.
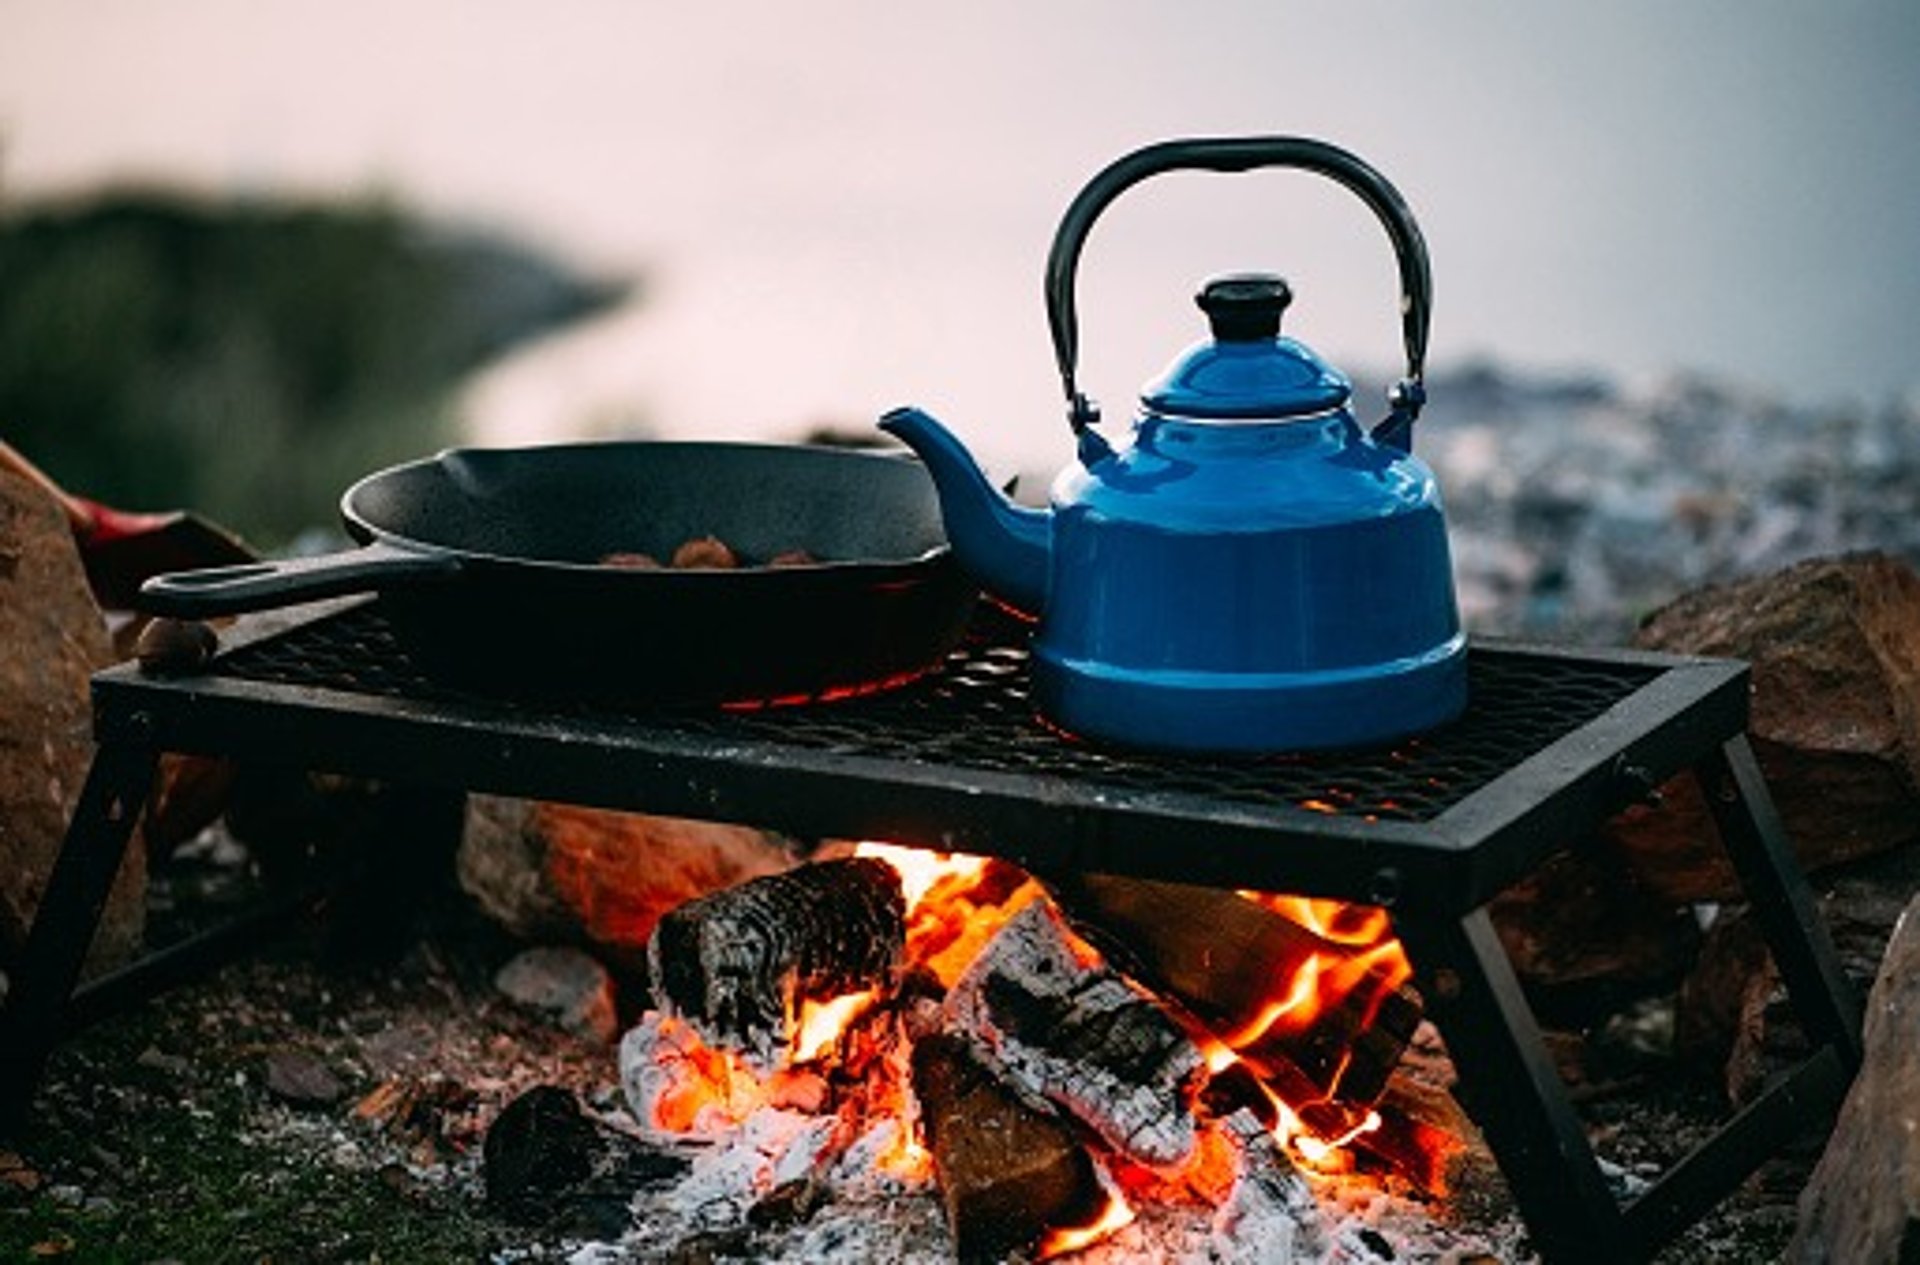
565 984
1863 1201
540 1145
548 1164
190 793
18 1174
54 638
302 1079
1734 1011
1581 926
558 872
1835 649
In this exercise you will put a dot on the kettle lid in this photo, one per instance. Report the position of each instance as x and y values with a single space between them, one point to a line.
1248 369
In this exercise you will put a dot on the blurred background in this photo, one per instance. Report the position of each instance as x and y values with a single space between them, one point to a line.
250 251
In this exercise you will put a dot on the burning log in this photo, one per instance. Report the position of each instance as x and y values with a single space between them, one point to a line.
1234 964
1425 1137
1045 1013
737 964
1008 1172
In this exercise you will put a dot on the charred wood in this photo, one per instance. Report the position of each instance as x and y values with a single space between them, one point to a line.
1047 1014
737 964
550 1166
1007 1171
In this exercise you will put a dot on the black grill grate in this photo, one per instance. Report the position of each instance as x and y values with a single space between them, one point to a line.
974 713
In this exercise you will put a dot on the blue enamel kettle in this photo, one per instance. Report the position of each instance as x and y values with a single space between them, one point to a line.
1254 572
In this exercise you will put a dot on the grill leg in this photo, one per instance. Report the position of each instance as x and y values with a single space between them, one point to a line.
1510 1087
63 928
1757 844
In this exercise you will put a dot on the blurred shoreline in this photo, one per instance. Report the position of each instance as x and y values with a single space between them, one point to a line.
266 353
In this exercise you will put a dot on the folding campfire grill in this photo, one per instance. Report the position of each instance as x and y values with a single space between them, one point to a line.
1553 743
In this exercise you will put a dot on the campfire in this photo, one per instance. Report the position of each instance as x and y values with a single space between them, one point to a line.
1050 1058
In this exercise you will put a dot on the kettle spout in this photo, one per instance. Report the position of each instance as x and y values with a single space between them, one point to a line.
1003 545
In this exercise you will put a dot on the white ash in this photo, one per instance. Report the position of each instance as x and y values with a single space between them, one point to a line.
656 1060
1274 1215
773 1148
1270 1214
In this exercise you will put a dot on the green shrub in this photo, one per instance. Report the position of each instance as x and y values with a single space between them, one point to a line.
249 360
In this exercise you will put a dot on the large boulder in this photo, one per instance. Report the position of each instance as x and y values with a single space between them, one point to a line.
1835 649
567 874
52 638
1863 1202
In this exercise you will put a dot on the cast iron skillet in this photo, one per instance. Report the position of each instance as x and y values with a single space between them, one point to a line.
487 564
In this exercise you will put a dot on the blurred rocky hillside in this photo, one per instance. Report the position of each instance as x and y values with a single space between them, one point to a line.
1578 505
250 359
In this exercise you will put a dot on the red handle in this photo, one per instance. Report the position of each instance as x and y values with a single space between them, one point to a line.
92 522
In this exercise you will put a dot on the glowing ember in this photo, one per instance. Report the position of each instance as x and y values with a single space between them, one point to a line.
1116 1216
690 1087
1317 1151
905 1159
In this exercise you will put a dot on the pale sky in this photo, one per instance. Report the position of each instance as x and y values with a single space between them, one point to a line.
845 204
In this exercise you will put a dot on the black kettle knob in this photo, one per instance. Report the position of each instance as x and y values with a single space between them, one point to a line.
1244 307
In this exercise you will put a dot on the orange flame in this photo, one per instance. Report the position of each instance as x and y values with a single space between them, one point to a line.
955 902
1315 1151
822 1022
1334 920
1324 979
921 871
1318 1151
1301 1000
951 913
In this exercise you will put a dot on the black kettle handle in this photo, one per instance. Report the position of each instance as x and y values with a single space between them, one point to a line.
1243 154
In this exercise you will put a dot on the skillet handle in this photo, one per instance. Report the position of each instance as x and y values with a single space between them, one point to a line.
258 586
